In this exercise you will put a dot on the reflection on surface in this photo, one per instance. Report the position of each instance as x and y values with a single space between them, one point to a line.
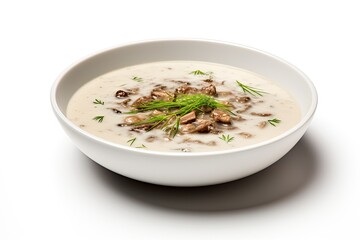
284 178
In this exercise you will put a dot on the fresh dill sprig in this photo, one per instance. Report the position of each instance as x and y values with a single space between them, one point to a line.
274 121
131 141
97 101
137 79
186 103
142 146
226 138
251 90
198 72
99 118
174 110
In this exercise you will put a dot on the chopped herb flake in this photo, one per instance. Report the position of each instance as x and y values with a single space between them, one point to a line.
99 118
274 121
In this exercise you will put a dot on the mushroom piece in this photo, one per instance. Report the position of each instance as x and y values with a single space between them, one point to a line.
245 134
221 116
151 138
132 119
209 90
121 94
203 125
156 113
185 89
142 100
115 110
262 124
261 114
224 93
181 82
187 118
245 108
124 103
200 126
242 99
160 93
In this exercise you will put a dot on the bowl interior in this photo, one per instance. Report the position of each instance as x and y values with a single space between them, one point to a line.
273 68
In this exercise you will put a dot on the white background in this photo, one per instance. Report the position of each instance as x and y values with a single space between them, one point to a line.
50 190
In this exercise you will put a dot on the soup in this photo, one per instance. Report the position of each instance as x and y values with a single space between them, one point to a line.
186 106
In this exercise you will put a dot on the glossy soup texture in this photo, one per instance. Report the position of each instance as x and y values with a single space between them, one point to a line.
101 107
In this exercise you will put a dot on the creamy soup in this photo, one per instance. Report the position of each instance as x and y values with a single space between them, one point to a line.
185 106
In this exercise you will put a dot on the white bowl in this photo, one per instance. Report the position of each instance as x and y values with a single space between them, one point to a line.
185 169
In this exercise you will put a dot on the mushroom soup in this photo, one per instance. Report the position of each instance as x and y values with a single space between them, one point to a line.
185 106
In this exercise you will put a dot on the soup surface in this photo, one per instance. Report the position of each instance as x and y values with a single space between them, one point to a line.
185 106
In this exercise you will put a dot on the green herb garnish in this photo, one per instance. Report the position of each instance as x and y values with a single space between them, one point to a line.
142 146
99 118
198 72
251 90
226 138
97 101
137 79
174 110
274 121
131 141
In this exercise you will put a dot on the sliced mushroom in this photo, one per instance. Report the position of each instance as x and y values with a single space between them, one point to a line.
115 110
227 127
221 116
227 103
187 118
185 89
181 82
206 109
190 140
121 94
209 80
244 108
132 119
142 127
142 100
242 99
224 93
160 93
200 126
261 114
203 125
151 138
209 90
133 90
262 124
124 103
238 118
188 128
156 113
245 134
